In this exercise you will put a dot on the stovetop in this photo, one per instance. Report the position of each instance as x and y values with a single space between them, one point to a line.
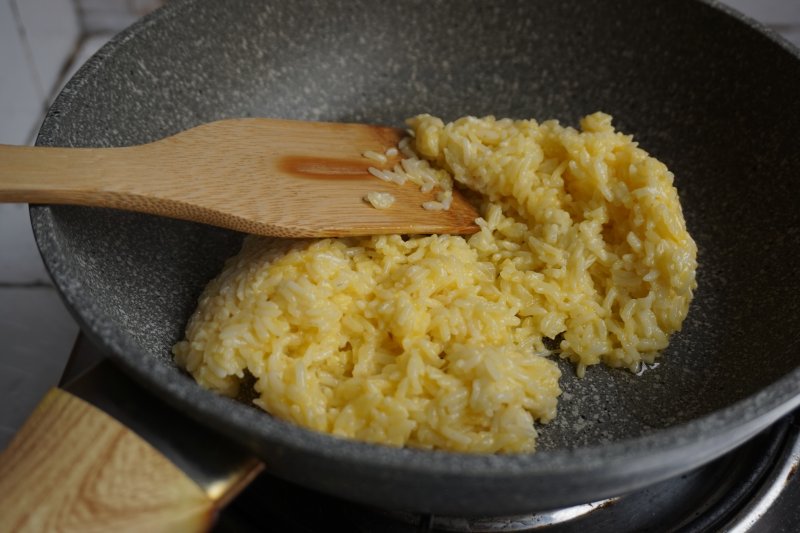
754 488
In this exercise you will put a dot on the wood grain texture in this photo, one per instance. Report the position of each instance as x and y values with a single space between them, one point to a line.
74 468
272 177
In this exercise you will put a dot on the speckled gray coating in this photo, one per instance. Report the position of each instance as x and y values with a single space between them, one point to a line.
710 94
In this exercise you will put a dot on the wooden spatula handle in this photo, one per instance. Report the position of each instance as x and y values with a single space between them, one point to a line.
274 177
72 467
85 176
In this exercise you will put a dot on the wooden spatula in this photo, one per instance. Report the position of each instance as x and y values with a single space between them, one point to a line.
271 177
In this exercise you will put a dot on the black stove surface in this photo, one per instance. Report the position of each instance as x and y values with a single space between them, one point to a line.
753 488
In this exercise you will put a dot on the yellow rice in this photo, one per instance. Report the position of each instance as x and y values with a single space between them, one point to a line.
438 341
380 200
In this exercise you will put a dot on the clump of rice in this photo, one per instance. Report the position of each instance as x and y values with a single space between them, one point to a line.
439 341
418 171
442 202
585 227
380 200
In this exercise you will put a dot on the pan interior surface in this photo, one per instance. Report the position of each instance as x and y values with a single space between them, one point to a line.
710 96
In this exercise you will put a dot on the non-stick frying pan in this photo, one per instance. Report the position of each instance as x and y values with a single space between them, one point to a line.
713 95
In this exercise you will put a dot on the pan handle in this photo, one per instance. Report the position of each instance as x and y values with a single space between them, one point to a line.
74 467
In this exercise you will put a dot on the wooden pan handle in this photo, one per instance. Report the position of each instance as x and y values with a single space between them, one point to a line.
72 467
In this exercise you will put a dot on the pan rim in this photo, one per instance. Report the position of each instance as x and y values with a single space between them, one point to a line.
639 461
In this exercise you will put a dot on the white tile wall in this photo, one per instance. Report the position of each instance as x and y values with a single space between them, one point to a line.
37 40
89 45
36 331
21 96
20 263
42 43
792 34
770 12
102 16
782 16
37 334
51 31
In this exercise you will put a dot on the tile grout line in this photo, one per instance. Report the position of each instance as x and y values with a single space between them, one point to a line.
25 285
23 34
784 26
76 5
52 93
28 51
67 65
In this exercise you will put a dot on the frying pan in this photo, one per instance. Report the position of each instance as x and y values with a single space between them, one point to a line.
703 89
